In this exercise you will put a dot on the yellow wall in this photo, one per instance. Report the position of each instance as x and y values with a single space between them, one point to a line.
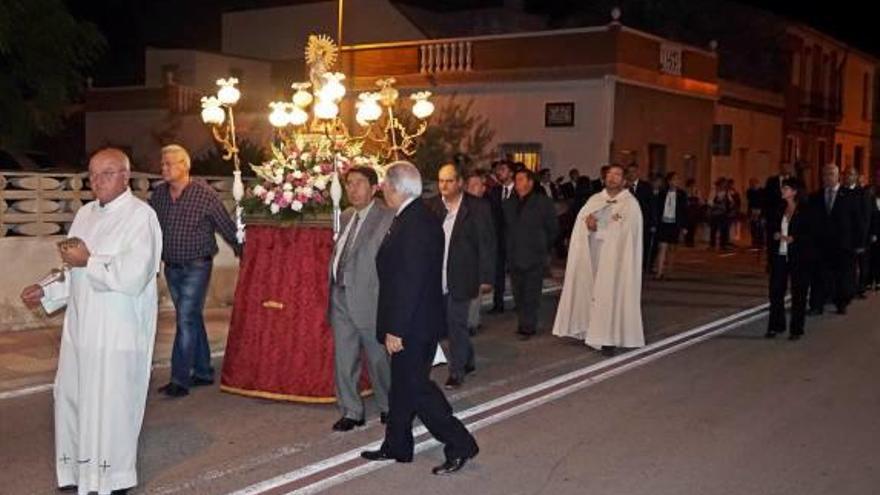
756 145
855 126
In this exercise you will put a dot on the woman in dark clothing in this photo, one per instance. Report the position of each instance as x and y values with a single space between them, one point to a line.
720 208
694 212
672 213
791 255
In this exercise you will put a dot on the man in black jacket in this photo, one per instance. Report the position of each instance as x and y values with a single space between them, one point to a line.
865 201
645 196
409 322
468 264
838 234
497 196
531 229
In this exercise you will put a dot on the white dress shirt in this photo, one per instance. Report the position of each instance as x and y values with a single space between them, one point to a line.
669 207
508 190
448 224
783 231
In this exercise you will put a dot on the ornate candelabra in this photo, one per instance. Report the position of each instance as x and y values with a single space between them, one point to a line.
217 111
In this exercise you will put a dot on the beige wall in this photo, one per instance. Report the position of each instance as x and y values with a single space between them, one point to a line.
855 127
682 123
516 113
755 148
200 70
144 131
281 32
35 256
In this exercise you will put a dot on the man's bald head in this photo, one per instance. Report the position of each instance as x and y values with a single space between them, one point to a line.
109 173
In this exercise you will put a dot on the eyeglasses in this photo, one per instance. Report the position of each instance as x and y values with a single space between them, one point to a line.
104 175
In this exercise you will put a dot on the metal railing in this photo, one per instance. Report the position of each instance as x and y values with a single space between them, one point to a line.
36 204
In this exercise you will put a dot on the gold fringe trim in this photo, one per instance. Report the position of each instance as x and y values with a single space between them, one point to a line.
285 397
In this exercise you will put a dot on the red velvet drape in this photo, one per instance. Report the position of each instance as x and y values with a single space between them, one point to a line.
280 345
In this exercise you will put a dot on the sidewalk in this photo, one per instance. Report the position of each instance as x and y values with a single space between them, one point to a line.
29 358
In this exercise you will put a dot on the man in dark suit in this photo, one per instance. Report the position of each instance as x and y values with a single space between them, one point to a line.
645 196
839 230
865 201
567 188
409 322
500 193
531 229
468 264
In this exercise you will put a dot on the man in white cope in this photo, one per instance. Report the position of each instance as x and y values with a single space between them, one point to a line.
601 299
110 292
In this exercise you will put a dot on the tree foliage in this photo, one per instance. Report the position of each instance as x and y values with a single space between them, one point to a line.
456 132
44 52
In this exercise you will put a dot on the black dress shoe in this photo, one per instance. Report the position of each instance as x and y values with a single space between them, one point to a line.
380 455
67 488
452 465
770 334
453 382
496 310
523 336
815 312
841 310
347 424
174 390
609 350
795 336
123 491
469 369
383 418
200 382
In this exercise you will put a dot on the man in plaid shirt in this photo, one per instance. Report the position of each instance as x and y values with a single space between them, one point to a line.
190 212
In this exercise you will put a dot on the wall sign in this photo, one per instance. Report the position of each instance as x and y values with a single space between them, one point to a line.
559 114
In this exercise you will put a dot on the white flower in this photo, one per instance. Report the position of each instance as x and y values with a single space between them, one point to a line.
259 190
270 196
274 208
287 186
278 179
316 169
308 191
305 157
298 174
296 206
288 196
321 183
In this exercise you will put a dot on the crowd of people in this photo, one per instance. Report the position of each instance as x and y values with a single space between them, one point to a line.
407 273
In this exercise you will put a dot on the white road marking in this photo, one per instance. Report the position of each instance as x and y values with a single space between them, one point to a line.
674 344
46 387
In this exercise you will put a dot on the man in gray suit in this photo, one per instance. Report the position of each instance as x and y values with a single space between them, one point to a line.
354 291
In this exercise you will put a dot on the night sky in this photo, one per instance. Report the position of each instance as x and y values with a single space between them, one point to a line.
131 25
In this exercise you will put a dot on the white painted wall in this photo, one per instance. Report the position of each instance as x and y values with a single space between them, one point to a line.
281 32
516 113
200 70
35 256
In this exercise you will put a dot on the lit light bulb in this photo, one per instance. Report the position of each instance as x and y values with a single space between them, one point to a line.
301 97
297 116
422 108
228 94
332 88
278 117
212 113
326 109
368 107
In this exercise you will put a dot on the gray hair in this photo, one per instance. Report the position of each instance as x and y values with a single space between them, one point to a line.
178 150
405 178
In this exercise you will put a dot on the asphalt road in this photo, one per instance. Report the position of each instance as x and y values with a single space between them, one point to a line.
733 414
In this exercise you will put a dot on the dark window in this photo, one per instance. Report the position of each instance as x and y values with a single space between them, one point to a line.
656 159
722 139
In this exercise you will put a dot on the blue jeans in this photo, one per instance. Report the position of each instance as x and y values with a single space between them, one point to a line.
191 356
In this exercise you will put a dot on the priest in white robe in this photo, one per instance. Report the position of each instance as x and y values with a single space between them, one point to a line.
110 294
602 293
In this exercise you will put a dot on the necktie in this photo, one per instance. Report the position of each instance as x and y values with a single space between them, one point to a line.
506 192
343 256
